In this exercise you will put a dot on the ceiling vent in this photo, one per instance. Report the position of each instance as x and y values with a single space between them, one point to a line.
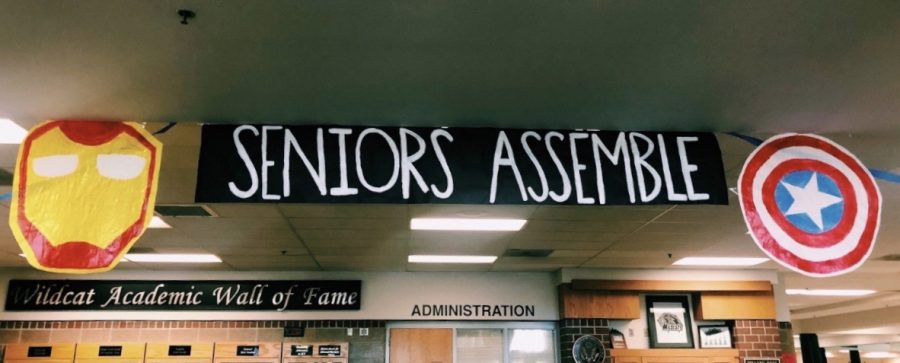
190 210
5 178
141 250
527 253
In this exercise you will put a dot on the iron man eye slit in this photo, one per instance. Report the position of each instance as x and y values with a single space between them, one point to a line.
112 166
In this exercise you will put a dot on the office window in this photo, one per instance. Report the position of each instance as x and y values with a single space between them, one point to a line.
479 345
531 346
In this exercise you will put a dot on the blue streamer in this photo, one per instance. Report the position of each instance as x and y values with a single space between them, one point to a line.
876 173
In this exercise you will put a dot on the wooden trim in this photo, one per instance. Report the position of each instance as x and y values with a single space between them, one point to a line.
717 305
85 352
598 304
673 352
671 285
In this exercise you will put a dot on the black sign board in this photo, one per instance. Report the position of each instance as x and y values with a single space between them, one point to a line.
110 351
247 350
50 295
179 350
39 351
301 350
330 350
330 164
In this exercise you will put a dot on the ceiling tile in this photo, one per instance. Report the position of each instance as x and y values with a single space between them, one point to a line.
246 210
326 235
597 213
293 250
388 211
362 263
270 263
461 247
581 226
562 245
305 224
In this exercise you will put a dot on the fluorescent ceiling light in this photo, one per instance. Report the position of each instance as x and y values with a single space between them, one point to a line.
880 355
173 257
450 259
11 132
829 292
466 224
157 222
720 261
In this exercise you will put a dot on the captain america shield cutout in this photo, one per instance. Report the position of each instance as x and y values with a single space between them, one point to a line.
810 204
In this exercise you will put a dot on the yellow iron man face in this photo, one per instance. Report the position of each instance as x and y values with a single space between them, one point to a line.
83 192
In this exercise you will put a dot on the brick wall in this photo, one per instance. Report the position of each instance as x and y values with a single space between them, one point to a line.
757 338
572 329
369 348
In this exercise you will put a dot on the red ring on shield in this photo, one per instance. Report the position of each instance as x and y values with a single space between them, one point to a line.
760 231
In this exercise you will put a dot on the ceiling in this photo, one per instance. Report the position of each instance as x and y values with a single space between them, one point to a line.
768 65
760 67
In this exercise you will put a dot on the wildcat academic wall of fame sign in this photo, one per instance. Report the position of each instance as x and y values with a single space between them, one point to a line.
339 164
810 204
83 193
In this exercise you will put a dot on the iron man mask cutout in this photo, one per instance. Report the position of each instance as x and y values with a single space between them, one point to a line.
83 192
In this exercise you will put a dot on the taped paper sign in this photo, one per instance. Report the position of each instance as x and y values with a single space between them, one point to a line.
810 204
83 192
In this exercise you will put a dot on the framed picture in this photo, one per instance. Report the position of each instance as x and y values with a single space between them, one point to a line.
669 322
714 336
617 340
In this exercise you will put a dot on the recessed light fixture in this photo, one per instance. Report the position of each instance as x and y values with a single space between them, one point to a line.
450 259
829 292
720 261
173 257
466 224
11 132
157 222
880 355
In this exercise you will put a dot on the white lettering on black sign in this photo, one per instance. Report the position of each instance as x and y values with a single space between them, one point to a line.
30 295
318 164
110 351
330 350
301 350
247 350
40 351
179 350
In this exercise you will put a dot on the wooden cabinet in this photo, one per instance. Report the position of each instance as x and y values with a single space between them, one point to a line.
179 353
674 355
39 353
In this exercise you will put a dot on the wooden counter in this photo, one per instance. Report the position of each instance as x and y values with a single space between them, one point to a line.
674 355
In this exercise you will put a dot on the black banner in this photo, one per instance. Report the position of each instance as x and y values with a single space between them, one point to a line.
44 295
330 164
